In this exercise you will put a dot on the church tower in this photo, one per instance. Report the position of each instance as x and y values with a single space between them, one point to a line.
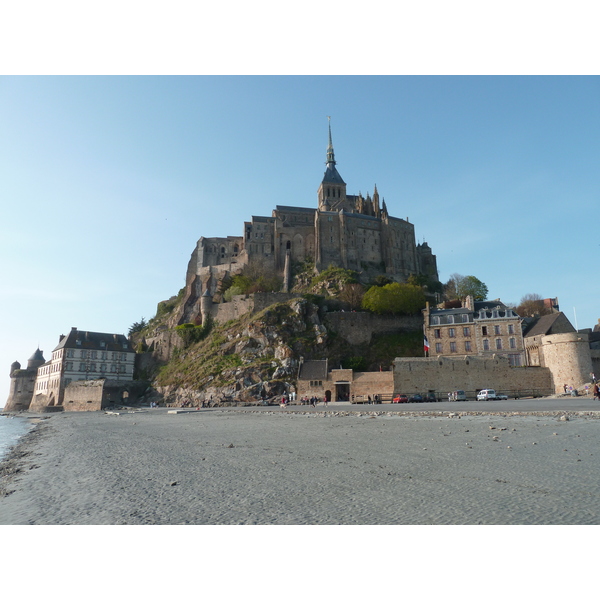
332 190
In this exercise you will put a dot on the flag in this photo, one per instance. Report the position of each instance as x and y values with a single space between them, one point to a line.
425 344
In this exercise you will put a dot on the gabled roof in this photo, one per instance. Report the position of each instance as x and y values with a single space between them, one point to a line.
313 369
543 325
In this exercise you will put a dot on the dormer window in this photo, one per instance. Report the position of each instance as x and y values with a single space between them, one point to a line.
78 342
102 343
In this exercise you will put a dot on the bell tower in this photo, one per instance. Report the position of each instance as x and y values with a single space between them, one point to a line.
332 190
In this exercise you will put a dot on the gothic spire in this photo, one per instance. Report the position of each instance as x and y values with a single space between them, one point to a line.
330 155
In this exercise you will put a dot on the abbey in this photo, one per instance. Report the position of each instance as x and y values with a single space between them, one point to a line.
344 230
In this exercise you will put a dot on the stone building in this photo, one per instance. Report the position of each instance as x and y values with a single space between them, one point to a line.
551 341
82 355
22 382
340 385
486 328
344 230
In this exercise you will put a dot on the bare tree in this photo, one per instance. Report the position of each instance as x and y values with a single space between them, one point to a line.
532 305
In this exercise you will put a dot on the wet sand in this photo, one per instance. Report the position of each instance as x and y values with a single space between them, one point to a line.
274 467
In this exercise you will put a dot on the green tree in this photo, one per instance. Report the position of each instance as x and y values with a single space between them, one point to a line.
394 298
461 286
138 326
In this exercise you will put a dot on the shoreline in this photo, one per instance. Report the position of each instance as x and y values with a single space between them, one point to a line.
231 466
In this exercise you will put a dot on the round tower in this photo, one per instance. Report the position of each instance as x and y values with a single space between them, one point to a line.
568 357
36 360
206 303
16 366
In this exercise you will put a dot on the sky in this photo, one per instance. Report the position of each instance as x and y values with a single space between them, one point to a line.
109 181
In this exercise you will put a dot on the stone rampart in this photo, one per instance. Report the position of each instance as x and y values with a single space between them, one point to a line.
100 394
359 327
568 357
442 375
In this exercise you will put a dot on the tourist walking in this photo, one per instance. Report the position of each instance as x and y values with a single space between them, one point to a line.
596 392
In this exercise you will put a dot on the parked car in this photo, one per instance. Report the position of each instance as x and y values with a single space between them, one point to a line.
429 397
400 399
458 395
501 397
486 394
416 398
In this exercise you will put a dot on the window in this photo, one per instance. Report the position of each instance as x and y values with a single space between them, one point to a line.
435 320
102 368
514 360
486 344
452 332
121 368
465 318
94 354
437 333
104 355
438 347
123 356
511 329
70 353
82 366
466 331
496 329
452 346
512 343
498 344
467 346
450 319
113 368
484 330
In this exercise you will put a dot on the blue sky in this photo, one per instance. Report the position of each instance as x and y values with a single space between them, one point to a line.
108 182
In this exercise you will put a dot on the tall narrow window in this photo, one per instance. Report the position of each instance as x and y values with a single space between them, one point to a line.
498 343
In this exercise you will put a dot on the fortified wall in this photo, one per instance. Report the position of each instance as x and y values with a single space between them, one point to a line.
470 373
568 357
101 394
359 327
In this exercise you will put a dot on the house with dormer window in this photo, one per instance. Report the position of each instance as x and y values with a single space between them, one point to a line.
482 328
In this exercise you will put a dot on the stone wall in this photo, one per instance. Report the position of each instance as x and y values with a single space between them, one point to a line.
442 375
359 327
251 303
101 394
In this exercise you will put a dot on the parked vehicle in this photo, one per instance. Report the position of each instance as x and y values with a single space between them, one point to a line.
429 397
501 397
416 398
400 399
458 395
486 394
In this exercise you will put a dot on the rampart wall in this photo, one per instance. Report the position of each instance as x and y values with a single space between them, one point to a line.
359 327
445 374
568 357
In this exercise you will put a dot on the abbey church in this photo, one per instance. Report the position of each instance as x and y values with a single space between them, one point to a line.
344 230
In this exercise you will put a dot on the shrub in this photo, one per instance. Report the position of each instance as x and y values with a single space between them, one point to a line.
394 298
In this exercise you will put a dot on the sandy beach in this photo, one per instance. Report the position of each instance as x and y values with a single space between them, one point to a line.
274 467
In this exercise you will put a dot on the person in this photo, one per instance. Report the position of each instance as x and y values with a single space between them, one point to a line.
596 392
566 388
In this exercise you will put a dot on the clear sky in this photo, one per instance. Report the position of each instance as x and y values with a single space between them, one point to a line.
108 182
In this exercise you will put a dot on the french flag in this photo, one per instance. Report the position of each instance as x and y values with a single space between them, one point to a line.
425 344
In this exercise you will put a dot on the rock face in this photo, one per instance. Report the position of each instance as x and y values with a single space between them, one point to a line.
257 356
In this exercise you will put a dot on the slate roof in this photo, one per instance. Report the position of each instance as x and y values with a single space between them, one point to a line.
313 369
91 340
542 325
332 176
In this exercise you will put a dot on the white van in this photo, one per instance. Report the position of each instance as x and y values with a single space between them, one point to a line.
486 395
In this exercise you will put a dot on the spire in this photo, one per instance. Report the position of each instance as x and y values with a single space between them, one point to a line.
330 155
